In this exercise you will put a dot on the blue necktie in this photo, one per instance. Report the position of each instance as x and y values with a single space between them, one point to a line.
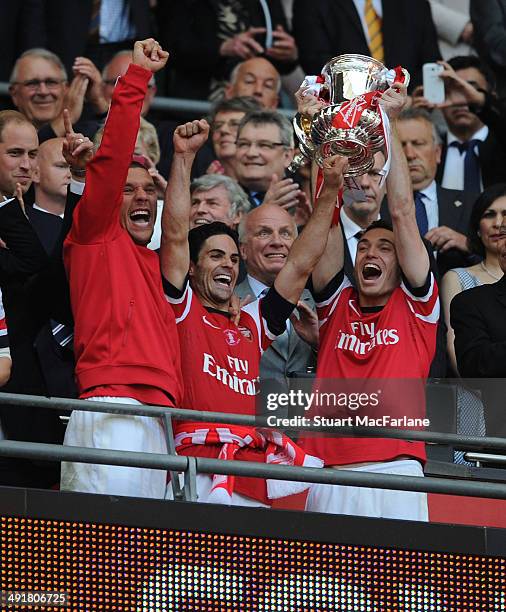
472 174
421 213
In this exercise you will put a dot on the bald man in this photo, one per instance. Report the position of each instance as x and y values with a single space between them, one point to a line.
117 67
51 178
266 235
257 78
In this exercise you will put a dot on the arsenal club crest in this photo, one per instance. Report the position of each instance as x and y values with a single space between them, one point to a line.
246 333
232 337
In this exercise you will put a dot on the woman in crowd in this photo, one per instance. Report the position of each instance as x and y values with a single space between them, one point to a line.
489 212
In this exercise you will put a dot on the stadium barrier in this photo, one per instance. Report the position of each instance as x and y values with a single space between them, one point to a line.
190 466
177 106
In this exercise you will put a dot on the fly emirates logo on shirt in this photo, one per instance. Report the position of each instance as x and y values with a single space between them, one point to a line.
231 376
365 337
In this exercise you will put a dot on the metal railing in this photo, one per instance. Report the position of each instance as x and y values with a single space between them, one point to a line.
190 466
177 106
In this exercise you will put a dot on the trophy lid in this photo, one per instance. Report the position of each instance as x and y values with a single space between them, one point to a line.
351 75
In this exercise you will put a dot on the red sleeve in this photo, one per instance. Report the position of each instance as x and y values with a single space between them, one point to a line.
425 308
4 338
254 313
326 301
96 218
181 301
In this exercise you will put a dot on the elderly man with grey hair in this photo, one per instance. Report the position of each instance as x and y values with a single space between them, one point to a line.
39 89
442 214
38 85
266 235
217 198
264 150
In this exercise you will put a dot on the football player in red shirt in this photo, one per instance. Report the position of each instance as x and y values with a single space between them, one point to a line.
384 329
220 360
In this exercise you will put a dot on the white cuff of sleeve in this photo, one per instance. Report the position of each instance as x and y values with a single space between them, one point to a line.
5 352
76 187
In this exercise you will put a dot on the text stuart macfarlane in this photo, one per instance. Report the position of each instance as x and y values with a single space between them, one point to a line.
351 421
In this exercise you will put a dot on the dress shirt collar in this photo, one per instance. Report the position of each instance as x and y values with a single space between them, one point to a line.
349 226
256 286
35 207
481 134
430 191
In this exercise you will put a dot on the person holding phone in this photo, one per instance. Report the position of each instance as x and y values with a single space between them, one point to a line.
207 39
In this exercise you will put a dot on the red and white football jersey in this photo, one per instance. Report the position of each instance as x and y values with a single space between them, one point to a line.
396 342
220 361
4 338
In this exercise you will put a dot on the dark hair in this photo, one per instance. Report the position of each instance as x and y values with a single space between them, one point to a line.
240 104
198 235
484 201
461 62
378 224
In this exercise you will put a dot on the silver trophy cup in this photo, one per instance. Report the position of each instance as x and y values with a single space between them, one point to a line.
347 77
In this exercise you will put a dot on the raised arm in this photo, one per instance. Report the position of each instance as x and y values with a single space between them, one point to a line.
97 216
332 260
411 252
311 243
174 251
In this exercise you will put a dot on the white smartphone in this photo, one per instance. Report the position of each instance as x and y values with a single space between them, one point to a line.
433 84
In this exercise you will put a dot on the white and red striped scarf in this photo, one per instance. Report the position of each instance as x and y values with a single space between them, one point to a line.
278 449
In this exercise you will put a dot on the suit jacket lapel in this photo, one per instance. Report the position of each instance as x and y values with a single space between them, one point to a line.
501 290
449 213
244 289
389 23
293 336
348 7
349 268
441 167
443 205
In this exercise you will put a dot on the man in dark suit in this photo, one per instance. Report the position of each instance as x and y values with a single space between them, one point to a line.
206 43
25 256
328 28
21 28
473 154
478 318
266 235
357 216
442 214
82 28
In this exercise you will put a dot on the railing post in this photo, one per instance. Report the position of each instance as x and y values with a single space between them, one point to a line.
171 450
190 480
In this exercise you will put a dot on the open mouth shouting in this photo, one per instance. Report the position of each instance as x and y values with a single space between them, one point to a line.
140 217
371 272
225 280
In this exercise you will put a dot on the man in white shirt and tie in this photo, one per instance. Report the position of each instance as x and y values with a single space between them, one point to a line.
474 151
442 214
356 216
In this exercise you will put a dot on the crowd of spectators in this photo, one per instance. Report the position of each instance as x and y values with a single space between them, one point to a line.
90 177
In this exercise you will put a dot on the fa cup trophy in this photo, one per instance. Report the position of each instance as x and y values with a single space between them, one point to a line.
352 123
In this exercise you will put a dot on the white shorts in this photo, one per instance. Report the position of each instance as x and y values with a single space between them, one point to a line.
364 501
204 495
114 432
